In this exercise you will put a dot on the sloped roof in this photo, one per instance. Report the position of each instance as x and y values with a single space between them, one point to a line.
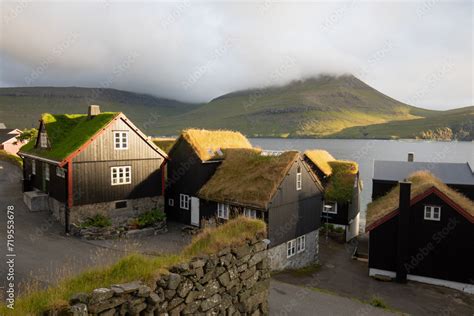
164 143
340 187
248 178
5 134
67 133
206 143
321 159
422 181
449 173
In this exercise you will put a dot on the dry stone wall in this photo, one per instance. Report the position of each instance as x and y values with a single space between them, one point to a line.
234 281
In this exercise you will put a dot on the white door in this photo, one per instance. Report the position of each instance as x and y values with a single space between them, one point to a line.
194 211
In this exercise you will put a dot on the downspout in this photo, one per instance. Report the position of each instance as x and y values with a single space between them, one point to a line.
163 180
69 196
403 229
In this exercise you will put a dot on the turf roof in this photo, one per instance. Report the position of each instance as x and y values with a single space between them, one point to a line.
248 178
321 159
421 182
164 144
67 132
206 142
340 187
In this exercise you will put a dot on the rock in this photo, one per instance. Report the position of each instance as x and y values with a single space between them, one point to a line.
79 298
197 263
110 312
78 310
101 294
144 291
199 273
210 302
175 302
192 307
211 288
169 294
96 308
247 273
226 260
242 251
242 267
223 252
224 279
184 288
218 271
136 309
154 299
177 310
256 258
259 246
126 287
252 280
174 280
179 268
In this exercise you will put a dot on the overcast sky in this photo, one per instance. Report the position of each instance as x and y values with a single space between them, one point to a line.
420 53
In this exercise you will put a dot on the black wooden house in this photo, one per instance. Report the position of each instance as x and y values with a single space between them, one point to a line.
194 158
277 187
423 230
84 164
340 179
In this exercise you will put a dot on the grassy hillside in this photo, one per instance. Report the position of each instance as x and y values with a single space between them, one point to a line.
326 106
316 107
22 107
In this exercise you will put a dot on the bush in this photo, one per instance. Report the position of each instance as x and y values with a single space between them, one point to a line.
98 220
150 218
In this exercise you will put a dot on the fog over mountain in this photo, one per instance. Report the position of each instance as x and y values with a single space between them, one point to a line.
417 52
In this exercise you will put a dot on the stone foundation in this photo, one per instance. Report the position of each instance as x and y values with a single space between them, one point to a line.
278 254
234 281
120 216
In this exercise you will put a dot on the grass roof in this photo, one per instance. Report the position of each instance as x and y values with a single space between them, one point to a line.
340 187
136 267
248 178
207 142
67 132
321 159
421 182
164 144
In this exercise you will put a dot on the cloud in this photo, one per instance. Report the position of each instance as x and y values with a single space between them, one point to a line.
197 51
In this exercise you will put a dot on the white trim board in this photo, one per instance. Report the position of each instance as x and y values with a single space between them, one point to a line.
464 287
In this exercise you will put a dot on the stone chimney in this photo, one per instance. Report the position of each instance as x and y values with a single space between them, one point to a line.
93 111
403 229
411 157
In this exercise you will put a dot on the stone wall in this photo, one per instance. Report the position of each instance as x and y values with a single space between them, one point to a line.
278 254
234 281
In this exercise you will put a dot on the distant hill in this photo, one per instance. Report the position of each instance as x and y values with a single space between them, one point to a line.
22 107
326 106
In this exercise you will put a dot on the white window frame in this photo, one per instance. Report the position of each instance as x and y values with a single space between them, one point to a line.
333 209
33 167
299 178
250 213
300 244
46 171
184 201
117 179
429 212
121 140
43 140
223 210
291 248
60 172
171 202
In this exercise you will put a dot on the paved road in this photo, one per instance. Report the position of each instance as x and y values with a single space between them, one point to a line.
287 299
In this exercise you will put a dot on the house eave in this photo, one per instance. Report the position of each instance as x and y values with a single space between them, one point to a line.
21 154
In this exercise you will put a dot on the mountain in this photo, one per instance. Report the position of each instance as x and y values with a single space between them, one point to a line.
22 107
326 106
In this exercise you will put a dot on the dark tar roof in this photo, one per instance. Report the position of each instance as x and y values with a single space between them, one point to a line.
4 136
449 173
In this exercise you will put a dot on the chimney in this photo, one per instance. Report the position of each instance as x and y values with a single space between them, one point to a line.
402 232
93 111
411 157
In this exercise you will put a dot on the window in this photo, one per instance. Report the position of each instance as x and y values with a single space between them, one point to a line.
291 248
299 180
46 171
171 202
33 167
60 172
121 175
330 208
120 204
432 213
223 211
121 140
250 213
184 201
300 244
43 140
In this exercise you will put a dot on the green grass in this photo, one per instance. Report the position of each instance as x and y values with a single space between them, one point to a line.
341 183
17 161
150 218
165 144
98 220
135 267
378 302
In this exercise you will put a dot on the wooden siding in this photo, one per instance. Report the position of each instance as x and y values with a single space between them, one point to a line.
92 181
294 213
447 249
102 148
186 174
